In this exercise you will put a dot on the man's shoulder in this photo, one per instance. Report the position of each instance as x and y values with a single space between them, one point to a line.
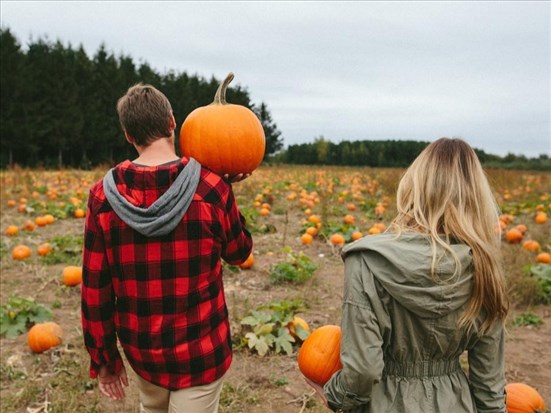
212 187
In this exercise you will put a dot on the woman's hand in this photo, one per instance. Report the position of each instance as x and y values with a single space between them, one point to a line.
318 389
111 385
236 178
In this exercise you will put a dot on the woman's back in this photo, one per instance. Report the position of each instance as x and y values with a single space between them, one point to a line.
401 325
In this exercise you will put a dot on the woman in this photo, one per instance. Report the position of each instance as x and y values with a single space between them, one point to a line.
417 298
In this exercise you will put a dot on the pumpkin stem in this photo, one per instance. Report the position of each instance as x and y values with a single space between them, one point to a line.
220 96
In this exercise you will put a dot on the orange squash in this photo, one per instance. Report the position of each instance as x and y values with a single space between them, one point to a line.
319 355
543 258
531 245
43 336
337 239
11 230
522 398
227 138
44 249
513 236
72 275
306 238
21 252
248 263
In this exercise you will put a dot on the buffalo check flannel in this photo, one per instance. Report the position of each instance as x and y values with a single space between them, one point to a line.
162 297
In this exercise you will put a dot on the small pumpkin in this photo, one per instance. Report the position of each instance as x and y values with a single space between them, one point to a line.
522 398
349 219
541 218
43 336
306 238
543 258
21 252
72 275
12 230
319 355
356 235
44 249
248 263
513 236
531 245
227 138
337 239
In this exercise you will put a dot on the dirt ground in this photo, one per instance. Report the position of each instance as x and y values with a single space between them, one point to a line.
254 384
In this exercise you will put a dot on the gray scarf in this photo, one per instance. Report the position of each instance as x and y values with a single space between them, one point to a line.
166 212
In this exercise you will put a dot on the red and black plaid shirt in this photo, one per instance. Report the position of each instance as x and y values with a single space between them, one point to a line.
163 296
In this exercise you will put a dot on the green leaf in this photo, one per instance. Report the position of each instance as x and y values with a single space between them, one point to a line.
12 328
261 347
250 321
263 329
301 332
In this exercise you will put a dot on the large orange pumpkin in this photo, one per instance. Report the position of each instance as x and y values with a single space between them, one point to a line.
522 398
319 356
43 336
227 138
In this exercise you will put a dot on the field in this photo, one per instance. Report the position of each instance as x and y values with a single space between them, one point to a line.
291 273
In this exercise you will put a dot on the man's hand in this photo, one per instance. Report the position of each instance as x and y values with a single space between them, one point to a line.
236 178
111 385
317 388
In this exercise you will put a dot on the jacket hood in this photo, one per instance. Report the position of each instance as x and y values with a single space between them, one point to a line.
163 215
402 266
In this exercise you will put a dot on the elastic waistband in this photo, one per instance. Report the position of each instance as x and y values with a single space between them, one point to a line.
420 369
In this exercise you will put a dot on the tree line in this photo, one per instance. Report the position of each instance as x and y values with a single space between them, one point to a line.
390 153
59 105
58 110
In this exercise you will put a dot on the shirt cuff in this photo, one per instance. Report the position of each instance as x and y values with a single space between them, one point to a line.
113 362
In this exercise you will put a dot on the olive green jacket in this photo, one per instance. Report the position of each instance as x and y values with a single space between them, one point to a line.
400 346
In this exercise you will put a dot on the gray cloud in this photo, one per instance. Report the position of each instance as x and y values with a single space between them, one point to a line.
344 70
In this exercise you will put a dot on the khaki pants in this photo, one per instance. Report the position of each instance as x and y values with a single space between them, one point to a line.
197 399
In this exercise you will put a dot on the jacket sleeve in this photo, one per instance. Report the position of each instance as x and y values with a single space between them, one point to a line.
98 301
238 241
361 343
486 371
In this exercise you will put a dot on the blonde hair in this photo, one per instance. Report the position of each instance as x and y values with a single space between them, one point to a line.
446 195
145 114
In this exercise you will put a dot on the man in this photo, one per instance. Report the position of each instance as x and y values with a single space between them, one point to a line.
156 231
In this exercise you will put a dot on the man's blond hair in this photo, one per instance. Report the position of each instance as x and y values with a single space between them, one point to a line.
145 114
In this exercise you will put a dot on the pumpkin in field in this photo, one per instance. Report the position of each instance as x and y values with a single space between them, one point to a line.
522 398
306 238
72 275
513 236
44 249
543 258
43 336
21 252
319 355
531 245
248 263
227 138
337 239
541 218
11 230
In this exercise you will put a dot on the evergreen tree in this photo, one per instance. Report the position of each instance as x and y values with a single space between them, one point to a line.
274 141
12 61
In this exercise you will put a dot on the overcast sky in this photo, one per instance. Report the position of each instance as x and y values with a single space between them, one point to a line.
342 70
